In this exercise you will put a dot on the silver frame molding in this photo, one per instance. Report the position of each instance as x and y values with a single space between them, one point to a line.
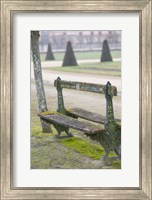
8 9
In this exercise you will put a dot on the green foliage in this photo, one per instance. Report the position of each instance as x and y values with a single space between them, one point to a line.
69 57
106 55
49 54
84 147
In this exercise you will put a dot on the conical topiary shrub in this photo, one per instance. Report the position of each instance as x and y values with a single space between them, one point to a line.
69 58
49 55
106 55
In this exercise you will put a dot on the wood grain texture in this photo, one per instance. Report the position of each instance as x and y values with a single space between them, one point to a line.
6 140
70 122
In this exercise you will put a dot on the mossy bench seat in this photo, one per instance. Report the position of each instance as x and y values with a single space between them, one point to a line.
63 123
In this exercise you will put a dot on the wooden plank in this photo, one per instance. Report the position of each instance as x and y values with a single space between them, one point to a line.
78 112
83 86
98 118
71 123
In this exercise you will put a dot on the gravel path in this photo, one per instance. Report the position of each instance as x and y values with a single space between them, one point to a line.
50 76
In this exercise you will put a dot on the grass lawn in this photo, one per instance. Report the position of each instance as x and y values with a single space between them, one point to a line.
83 55
106 68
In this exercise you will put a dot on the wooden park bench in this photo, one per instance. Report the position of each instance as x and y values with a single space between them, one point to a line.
108 135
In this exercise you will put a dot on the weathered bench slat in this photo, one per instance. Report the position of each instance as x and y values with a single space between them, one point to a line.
98 118
71 123
78 112
88 87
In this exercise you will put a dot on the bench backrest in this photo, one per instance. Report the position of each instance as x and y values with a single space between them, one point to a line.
83 86
108 90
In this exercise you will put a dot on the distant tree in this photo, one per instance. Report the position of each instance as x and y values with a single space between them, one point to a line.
49 55
38 78
69 58
106 55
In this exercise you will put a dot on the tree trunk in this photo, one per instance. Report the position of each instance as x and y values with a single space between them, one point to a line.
38 78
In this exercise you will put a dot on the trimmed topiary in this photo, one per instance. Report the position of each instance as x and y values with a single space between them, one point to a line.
69 58
106 55
49 55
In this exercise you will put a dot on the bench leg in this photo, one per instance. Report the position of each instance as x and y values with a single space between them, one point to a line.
107 151
117 150
108 142
60 129
68 133
102 139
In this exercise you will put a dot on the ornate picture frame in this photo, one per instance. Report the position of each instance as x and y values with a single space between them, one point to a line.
8 9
